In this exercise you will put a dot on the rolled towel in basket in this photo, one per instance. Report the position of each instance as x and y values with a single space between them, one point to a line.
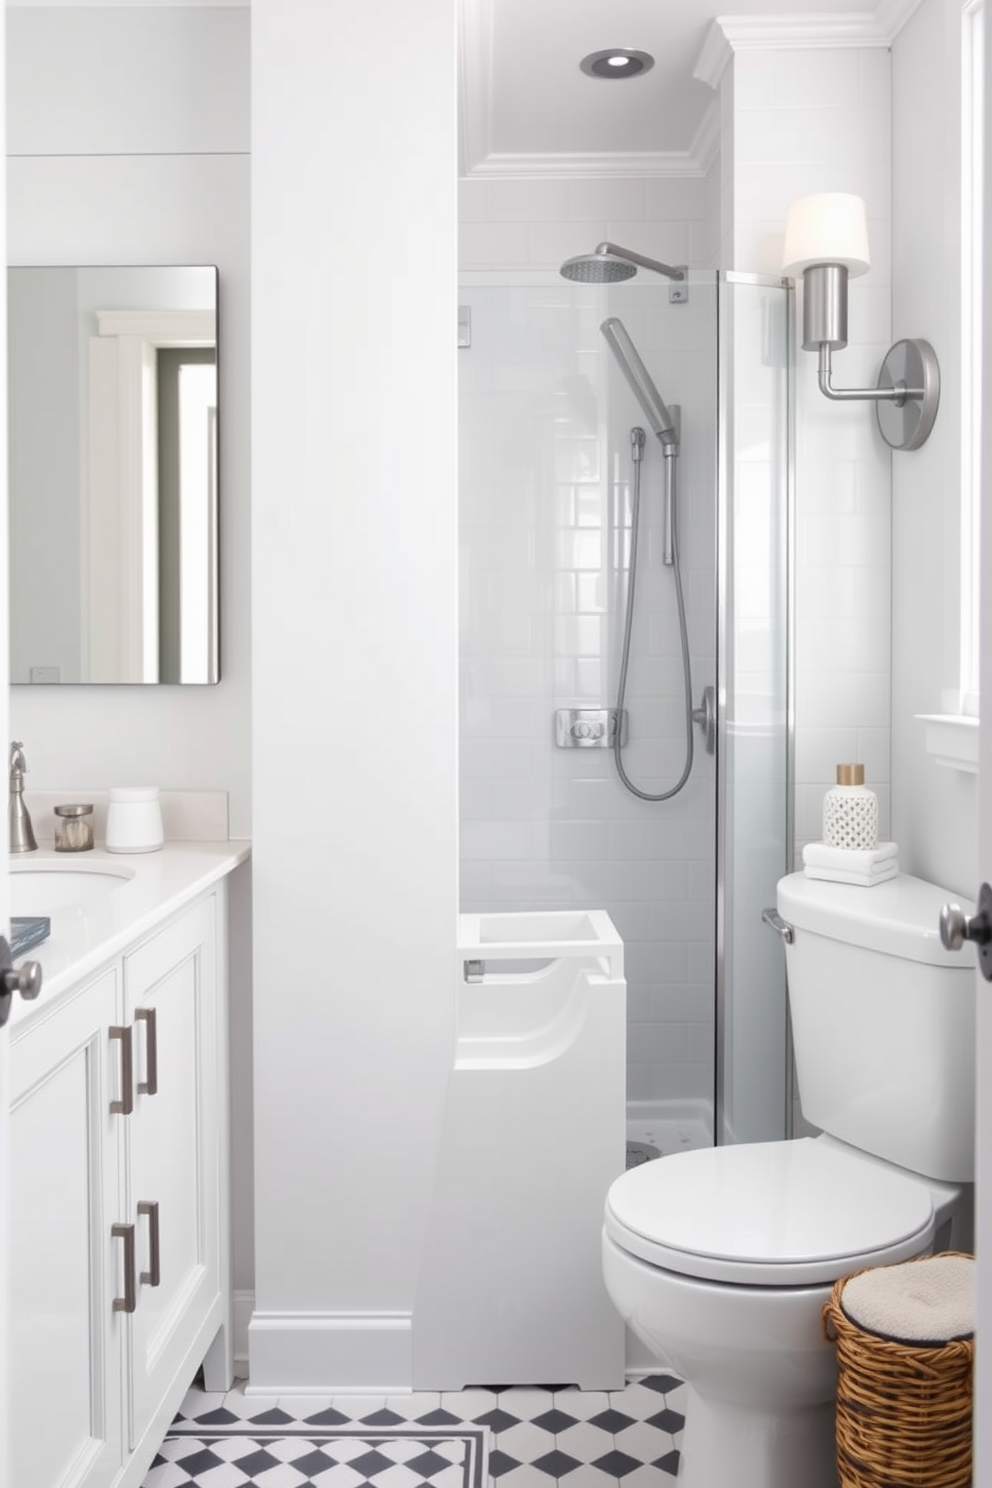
864 866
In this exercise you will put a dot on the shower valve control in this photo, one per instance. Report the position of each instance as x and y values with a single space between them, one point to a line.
588 728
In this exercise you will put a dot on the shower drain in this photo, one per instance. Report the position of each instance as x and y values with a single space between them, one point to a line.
640 1152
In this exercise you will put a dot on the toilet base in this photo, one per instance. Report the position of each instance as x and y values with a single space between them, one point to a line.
726 1445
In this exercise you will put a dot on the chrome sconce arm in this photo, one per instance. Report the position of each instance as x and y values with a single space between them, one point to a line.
826 239
907 393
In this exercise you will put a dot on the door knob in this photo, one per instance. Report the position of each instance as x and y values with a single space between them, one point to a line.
956 928
25 979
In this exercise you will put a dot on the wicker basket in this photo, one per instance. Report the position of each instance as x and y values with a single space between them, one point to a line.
903 1410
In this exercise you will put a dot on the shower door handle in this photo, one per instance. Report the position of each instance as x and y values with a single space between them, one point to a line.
705 716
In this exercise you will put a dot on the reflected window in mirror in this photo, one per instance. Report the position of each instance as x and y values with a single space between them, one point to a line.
114 490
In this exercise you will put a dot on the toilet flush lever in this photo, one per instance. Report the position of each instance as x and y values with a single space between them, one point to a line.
780 926
956 928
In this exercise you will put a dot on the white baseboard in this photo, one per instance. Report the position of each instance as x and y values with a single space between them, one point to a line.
307 1353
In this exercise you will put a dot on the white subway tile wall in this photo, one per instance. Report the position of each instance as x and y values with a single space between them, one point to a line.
545 532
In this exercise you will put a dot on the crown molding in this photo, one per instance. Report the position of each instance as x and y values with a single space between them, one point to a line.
633 163
475 83
706 143
478 161
729 34
715 54
877 26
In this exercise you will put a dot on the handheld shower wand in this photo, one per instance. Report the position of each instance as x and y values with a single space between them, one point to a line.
639 379
663 424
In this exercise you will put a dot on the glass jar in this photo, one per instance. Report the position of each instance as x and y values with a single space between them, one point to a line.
73 828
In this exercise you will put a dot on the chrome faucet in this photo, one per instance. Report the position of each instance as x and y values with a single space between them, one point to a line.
21 831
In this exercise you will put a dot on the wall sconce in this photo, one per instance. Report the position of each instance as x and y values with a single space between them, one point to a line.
826 238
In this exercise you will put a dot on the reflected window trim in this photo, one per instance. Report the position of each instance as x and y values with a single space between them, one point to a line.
124 615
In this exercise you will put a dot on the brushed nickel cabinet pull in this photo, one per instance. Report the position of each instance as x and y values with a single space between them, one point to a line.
125 1232
125 1105
149 1086
153 1276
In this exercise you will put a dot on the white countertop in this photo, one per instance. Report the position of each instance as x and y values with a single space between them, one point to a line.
85 938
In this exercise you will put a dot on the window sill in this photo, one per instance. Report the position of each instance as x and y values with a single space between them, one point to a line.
952 739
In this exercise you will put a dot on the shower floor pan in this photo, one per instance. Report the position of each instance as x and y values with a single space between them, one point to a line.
658 1128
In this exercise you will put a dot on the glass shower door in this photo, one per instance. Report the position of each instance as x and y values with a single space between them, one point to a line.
546 482
755 772
546 513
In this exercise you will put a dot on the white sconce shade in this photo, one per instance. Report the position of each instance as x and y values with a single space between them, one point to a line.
830 228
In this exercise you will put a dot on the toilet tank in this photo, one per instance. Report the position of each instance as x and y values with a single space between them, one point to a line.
883 1021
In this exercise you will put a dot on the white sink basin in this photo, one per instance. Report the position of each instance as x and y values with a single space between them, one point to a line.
43 888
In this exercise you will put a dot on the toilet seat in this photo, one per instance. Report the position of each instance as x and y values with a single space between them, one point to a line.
794 1213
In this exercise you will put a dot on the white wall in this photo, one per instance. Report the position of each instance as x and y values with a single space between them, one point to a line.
98 178
106 168
354 673
934 807
810 121
528 224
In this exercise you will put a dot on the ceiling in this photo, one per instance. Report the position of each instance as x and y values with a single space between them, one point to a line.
526 109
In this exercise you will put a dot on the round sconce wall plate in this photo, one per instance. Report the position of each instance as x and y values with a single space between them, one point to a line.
905 423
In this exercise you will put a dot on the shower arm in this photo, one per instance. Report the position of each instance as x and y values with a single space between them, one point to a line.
614 250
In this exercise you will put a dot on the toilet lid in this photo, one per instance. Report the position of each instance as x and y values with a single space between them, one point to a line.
769 1214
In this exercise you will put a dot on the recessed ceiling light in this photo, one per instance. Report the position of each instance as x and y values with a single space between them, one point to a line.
617 62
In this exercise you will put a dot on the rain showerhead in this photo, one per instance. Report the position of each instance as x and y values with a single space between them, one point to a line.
608 264
598 268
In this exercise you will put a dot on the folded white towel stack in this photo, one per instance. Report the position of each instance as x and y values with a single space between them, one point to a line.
866 866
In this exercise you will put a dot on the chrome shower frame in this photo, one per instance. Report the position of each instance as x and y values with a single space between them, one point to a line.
722 1112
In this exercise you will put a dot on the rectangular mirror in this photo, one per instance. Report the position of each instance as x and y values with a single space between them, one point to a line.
112 401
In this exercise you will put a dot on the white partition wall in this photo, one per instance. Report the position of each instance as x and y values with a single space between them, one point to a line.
354 676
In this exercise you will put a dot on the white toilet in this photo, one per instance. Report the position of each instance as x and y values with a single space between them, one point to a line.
720 1260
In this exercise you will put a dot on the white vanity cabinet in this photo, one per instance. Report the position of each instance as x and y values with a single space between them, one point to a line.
119 1230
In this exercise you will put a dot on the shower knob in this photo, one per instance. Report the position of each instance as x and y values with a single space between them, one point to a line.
956 928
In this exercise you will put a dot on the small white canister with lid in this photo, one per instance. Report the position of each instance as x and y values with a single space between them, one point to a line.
134 819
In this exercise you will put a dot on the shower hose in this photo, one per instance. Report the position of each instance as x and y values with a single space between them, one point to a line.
637 440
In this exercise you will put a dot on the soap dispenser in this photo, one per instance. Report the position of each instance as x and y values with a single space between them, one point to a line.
850 811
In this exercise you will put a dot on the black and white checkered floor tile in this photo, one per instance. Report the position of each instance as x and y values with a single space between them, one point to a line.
294 1456
536 1437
